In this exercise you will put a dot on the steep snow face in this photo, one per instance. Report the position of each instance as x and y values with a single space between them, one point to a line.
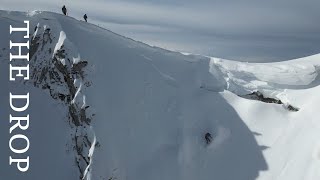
140 112
290 138
153 109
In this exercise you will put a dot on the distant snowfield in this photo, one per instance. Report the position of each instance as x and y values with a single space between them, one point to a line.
152 108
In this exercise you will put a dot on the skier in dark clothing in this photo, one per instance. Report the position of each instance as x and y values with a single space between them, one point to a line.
208 138
64 10
85 17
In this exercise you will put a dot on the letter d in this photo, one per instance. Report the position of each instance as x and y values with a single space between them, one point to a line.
19 109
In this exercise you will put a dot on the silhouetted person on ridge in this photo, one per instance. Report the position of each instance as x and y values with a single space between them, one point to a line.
64 10
208 138
85 17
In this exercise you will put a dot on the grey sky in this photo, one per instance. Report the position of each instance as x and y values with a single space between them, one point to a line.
247 30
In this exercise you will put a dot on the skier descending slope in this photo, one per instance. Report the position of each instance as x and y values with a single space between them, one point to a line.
85 17
208 138
64 10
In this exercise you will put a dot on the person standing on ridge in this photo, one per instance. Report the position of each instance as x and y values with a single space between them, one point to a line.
85 17
64 10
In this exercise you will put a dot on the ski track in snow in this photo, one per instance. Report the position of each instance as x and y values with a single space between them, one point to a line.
222 135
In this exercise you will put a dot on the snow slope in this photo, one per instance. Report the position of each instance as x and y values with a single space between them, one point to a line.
147 109
290 138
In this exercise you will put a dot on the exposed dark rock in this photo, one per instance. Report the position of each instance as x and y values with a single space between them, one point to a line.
260 97
60 53
256 95
46 37
291 108
67 76
74 115
62 97
77 68
49 73
34 45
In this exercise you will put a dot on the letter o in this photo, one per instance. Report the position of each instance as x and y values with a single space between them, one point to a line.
19 136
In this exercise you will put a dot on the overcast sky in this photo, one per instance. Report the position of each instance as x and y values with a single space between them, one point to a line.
247 30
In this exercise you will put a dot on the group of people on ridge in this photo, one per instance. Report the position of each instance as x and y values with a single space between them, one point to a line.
64 11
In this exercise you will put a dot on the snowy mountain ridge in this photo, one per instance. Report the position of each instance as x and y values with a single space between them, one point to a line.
131 111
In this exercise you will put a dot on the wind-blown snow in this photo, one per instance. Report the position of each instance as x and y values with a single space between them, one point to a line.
153 107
